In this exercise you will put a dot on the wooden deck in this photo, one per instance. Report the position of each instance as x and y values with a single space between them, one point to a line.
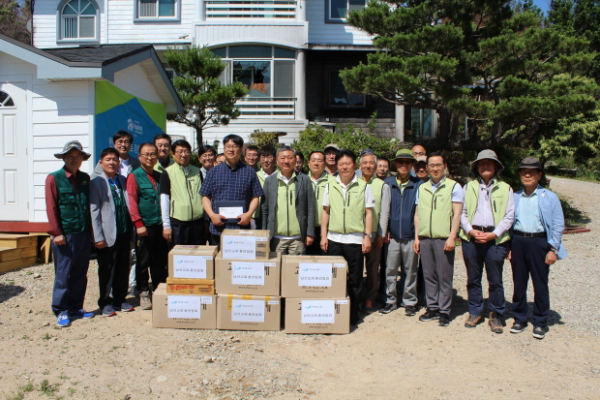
21 250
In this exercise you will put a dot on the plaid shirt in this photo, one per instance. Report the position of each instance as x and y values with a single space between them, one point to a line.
224 183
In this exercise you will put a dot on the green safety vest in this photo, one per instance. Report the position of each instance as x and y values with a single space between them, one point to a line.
319 189
148 198
186 202
286 221
435 209
73 205
377 188
261 179
498 200
347 215
122 217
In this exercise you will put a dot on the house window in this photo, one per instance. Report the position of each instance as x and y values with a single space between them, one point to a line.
6 100
337 10
157 9
338 97
78 19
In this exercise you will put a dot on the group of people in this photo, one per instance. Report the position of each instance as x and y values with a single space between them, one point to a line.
385 226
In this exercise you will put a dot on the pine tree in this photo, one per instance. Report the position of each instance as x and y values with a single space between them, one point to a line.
503 70
207 102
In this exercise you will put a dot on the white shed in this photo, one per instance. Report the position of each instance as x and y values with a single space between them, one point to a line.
48 97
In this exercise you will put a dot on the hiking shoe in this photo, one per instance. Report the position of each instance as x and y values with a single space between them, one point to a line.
388 308
518 327
62 320
495 322
82 314
473 320
126 307
108 311
145 300
444 319
539 332
429 315
410 311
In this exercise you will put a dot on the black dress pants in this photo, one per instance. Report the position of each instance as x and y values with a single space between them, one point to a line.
353 255
152 253
113 271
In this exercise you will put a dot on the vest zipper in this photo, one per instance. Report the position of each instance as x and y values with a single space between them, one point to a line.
187 185
401 209
287 214
431 214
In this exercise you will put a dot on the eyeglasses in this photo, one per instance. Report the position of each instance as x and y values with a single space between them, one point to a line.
149 155
183 152
123 141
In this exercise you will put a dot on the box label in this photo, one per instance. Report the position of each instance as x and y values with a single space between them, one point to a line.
187 307
318 311
240 247
206 300
314 274
248 273
190 266
247 310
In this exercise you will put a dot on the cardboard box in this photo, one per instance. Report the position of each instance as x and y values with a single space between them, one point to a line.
192 262
314 277
244 244
190 286
259 277
183 311
248 313
317 315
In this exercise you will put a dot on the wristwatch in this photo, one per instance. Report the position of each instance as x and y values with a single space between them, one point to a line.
552 249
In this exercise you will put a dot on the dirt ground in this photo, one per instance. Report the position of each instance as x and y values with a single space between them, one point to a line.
391 356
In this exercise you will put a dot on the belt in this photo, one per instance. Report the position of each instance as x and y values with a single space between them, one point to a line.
483 228
531 235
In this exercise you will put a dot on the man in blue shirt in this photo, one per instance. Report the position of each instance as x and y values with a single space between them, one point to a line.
536 244
231 181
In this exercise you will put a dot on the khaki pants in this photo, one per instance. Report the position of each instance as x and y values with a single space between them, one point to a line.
292 247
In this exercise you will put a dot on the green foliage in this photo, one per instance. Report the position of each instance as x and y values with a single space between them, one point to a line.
261 138
503 70
207 102
316 137
13 19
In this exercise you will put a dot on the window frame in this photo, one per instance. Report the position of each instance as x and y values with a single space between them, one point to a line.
328 70
60 24
138 19
329 19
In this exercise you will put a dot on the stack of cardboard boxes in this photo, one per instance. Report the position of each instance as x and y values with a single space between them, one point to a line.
314 288
250 283
188 299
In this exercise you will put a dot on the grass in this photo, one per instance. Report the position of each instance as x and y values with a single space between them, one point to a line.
47 336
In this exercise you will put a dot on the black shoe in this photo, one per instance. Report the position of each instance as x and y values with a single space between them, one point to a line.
410 311
539 332
444 319
388 308
518 327
430 315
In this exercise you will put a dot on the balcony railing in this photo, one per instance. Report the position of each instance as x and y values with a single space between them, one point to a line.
270 108
251 9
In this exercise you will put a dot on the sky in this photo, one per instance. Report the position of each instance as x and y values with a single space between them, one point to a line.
543 4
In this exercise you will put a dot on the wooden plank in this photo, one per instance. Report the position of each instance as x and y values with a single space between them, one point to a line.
23 227
10 265
8 254
17 241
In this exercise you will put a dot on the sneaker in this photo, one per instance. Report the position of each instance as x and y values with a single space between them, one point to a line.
126 307
518 327
539 332
108 311
473 321
388 308
495 322
410 311
429 315
82 314
63 319
444 319
145 300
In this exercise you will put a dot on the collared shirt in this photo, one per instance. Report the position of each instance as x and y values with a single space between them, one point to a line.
204 172
52 200
401 185
124 167
527 215
224 183
484 215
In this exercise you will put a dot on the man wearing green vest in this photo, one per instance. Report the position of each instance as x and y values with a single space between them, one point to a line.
288 209
111 224
319 179
437 220
68 211
381 215
162 141
487 216
180 199
346 224
143 188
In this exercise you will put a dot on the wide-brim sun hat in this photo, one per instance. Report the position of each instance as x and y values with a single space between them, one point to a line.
486 154
405 154
70 145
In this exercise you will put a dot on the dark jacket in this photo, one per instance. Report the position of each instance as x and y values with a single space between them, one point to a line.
402 208
305 204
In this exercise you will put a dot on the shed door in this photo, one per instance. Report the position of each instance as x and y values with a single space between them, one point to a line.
13 147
